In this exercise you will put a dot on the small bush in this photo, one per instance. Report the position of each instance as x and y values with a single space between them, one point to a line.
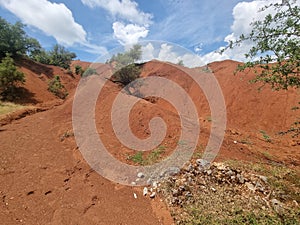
88 72
57 88
78 70
127 74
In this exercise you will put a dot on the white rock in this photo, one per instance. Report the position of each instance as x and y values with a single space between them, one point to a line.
145 191
235 142
140 175
134 195
154 185
152 195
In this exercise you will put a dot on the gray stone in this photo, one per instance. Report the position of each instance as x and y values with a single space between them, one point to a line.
264 179
240 178
208 172
202 162
173 171
250 186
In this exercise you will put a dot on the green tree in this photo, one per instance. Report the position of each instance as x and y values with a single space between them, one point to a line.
10 77
60 56
127 74
40 56
276 50
126 70
14 40
276 47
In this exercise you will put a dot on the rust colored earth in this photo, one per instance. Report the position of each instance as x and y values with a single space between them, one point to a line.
45 180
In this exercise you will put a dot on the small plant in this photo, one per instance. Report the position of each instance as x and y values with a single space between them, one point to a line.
78 70
127 74
137 158
153 156
246 141
57 88
265 136
67 134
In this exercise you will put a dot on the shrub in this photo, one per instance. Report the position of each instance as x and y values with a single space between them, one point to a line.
57 88
88 72
127 74
78 70
10 77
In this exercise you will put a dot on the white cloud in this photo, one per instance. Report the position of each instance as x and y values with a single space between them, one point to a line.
148 52
129 34
125 9
244 13
52 18
166 52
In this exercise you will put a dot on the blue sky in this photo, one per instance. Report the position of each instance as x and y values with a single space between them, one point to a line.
90 28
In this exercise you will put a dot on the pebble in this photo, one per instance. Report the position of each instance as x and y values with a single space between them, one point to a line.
173 171
250 186
154 185
152 195
202 162
145 191
213 189
134 195
140 175
264 179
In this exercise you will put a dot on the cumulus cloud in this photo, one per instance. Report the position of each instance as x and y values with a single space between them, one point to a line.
244 13
125 9
52 18
130 24
166 52
129 34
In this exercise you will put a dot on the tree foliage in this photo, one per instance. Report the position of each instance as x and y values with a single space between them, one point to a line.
126 70
10 77
14 40
276 49
60 56
57 56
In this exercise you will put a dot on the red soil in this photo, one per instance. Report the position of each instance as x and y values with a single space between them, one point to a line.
45 180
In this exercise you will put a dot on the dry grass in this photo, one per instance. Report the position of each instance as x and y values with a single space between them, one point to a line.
9 107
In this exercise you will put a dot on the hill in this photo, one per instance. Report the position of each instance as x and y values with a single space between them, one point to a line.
44 178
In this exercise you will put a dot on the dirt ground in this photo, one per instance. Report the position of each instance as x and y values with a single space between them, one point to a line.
45 180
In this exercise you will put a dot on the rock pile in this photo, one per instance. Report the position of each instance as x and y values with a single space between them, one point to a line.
218 188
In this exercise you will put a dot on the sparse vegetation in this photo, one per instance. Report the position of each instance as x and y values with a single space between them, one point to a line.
88 72
265 136
153 157
8 107
57 88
